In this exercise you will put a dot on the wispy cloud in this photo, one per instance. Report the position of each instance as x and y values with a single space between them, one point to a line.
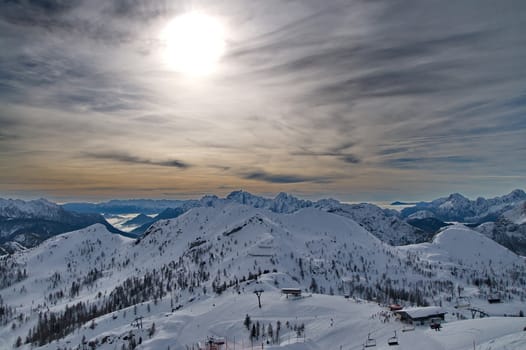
373 91
126 158
282 178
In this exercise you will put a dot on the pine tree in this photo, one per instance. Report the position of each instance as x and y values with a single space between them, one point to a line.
18 342
313 286
151 331
270 331
247 322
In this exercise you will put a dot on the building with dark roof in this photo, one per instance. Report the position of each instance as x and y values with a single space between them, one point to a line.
421 315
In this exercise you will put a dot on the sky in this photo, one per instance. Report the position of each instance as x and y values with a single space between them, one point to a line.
356 100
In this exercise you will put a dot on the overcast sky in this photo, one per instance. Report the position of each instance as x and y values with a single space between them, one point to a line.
357 100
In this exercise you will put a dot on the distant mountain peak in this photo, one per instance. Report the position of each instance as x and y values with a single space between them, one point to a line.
457 196
517 193
284 195
457 207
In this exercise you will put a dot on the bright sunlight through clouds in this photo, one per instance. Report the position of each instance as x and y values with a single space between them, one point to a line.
193 43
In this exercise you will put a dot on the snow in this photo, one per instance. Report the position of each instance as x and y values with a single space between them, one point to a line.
17 208
236 240
517 214
421 214
330 322
455 239
456 207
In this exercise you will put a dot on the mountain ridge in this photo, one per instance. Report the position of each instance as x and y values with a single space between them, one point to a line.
228 249
30 222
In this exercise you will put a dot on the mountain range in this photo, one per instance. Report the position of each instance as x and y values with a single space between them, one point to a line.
29 223
458 208
89 286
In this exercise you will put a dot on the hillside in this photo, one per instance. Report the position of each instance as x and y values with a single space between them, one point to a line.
323 323
84 277
384 224
509 229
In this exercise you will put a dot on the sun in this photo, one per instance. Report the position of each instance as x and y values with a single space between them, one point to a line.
193 43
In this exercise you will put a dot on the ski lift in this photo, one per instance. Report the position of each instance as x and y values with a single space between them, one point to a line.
393 340
370 342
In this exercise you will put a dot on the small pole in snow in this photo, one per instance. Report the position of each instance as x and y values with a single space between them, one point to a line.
258 294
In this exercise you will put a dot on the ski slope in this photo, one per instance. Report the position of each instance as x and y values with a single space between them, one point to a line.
214 256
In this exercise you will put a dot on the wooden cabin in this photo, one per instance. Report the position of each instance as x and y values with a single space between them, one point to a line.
295 292
395 307
421 315
214 343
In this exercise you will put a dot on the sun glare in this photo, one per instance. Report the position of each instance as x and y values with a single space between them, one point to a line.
193 43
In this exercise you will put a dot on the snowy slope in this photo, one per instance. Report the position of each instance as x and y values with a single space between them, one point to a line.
388 228
459 244
329 322
213 255
509 229
517 214
382 223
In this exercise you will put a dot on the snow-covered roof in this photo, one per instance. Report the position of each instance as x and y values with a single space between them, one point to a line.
420 312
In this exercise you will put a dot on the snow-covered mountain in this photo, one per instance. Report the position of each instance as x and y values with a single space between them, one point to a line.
30 222
509 229
420 224
517 214
218 255
282 203
40 208
382 223
458 208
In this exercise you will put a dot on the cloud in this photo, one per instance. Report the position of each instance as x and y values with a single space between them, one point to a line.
126 158
63 18
281 178
432 161
368 90
351 159
340 151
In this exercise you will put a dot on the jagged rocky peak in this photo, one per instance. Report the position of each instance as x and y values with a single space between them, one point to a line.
458 198
209 200
243 197
282 203
285 202
457 207
516 194
17 208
